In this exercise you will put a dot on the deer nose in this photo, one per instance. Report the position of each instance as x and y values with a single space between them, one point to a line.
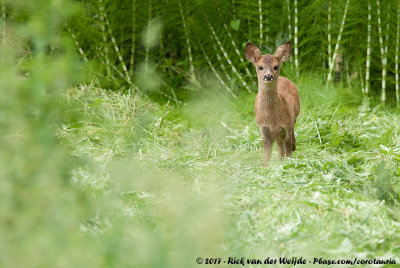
268 77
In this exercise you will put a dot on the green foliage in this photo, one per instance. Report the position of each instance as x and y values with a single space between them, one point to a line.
383 184
222 28
40 207
98 178
333 198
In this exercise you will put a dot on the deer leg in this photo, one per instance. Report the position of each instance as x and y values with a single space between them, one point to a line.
293 140
288 145
281 149
267 144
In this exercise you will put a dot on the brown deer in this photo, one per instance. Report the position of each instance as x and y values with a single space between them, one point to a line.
277 102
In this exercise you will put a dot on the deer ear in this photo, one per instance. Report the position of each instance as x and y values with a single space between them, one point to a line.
283 52
252 53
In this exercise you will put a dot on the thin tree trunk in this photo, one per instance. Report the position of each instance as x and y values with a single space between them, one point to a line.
337 42
368 62
296 52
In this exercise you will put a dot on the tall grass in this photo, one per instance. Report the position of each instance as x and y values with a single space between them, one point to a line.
333 187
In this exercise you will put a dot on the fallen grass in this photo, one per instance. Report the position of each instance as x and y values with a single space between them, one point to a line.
196 173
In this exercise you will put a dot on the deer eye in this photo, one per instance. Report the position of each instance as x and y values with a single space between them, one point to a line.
276 67
260 68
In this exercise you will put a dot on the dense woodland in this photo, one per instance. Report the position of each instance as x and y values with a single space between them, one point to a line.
177 41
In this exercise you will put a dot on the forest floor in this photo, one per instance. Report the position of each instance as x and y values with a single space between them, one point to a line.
187 179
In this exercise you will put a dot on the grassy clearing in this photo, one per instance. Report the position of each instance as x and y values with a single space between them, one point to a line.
189 182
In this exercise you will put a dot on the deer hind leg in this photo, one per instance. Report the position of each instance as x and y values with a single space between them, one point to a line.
293 140
288 144
281 149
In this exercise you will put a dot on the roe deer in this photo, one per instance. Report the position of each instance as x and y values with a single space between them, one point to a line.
277 102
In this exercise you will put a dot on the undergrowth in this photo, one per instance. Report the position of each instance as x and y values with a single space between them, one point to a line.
190 182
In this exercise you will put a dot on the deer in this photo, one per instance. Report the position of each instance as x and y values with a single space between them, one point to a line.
277 103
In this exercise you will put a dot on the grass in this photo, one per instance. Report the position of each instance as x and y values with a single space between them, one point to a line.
179 183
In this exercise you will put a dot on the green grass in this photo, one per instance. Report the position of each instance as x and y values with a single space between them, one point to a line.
179 183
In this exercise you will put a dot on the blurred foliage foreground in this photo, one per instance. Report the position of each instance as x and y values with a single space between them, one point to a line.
93 178
47 220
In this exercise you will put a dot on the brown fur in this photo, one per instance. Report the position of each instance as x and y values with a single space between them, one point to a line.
277 103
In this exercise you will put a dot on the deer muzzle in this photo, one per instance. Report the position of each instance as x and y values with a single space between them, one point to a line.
268 77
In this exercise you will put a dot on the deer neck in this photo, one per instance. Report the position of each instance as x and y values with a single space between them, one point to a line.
268 94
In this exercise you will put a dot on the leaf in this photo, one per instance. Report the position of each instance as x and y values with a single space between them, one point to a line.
386 138
235 24
335 128
383 184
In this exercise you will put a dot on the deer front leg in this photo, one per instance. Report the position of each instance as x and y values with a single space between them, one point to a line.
267 144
